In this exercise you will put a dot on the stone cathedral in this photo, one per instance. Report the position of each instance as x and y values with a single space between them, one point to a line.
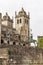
15 48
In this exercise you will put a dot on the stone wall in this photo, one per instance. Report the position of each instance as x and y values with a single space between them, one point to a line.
22 55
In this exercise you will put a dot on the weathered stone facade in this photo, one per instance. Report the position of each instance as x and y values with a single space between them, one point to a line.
22 24
20 55
19 34
14 44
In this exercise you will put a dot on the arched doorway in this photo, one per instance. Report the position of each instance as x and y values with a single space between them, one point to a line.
14 43
23 44
2 41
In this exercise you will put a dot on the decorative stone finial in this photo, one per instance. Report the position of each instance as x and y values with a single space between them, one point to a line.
6 14
22 9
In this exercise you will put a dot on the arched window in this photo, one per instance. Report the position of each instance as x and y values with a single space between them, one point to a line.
13 43
17 21
25 20
8 41
20 20
23 44
2 41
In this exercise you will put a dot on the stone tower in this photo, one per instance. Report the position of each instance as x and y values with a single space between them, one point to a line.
22 24
7 21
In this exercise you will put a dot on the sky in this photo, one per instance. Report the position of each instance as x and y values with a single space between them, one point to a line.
34 7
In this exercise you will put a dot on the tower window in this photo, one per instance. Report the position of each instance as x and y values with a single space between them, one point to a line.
19 37
8 42
20 20
27 21
17 21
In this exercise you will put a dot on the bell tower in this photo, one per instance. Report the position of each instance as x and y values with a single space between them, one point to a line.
22 24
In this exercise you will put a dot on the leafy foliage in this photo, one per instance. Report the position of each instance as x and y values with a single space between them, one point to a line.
40 42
